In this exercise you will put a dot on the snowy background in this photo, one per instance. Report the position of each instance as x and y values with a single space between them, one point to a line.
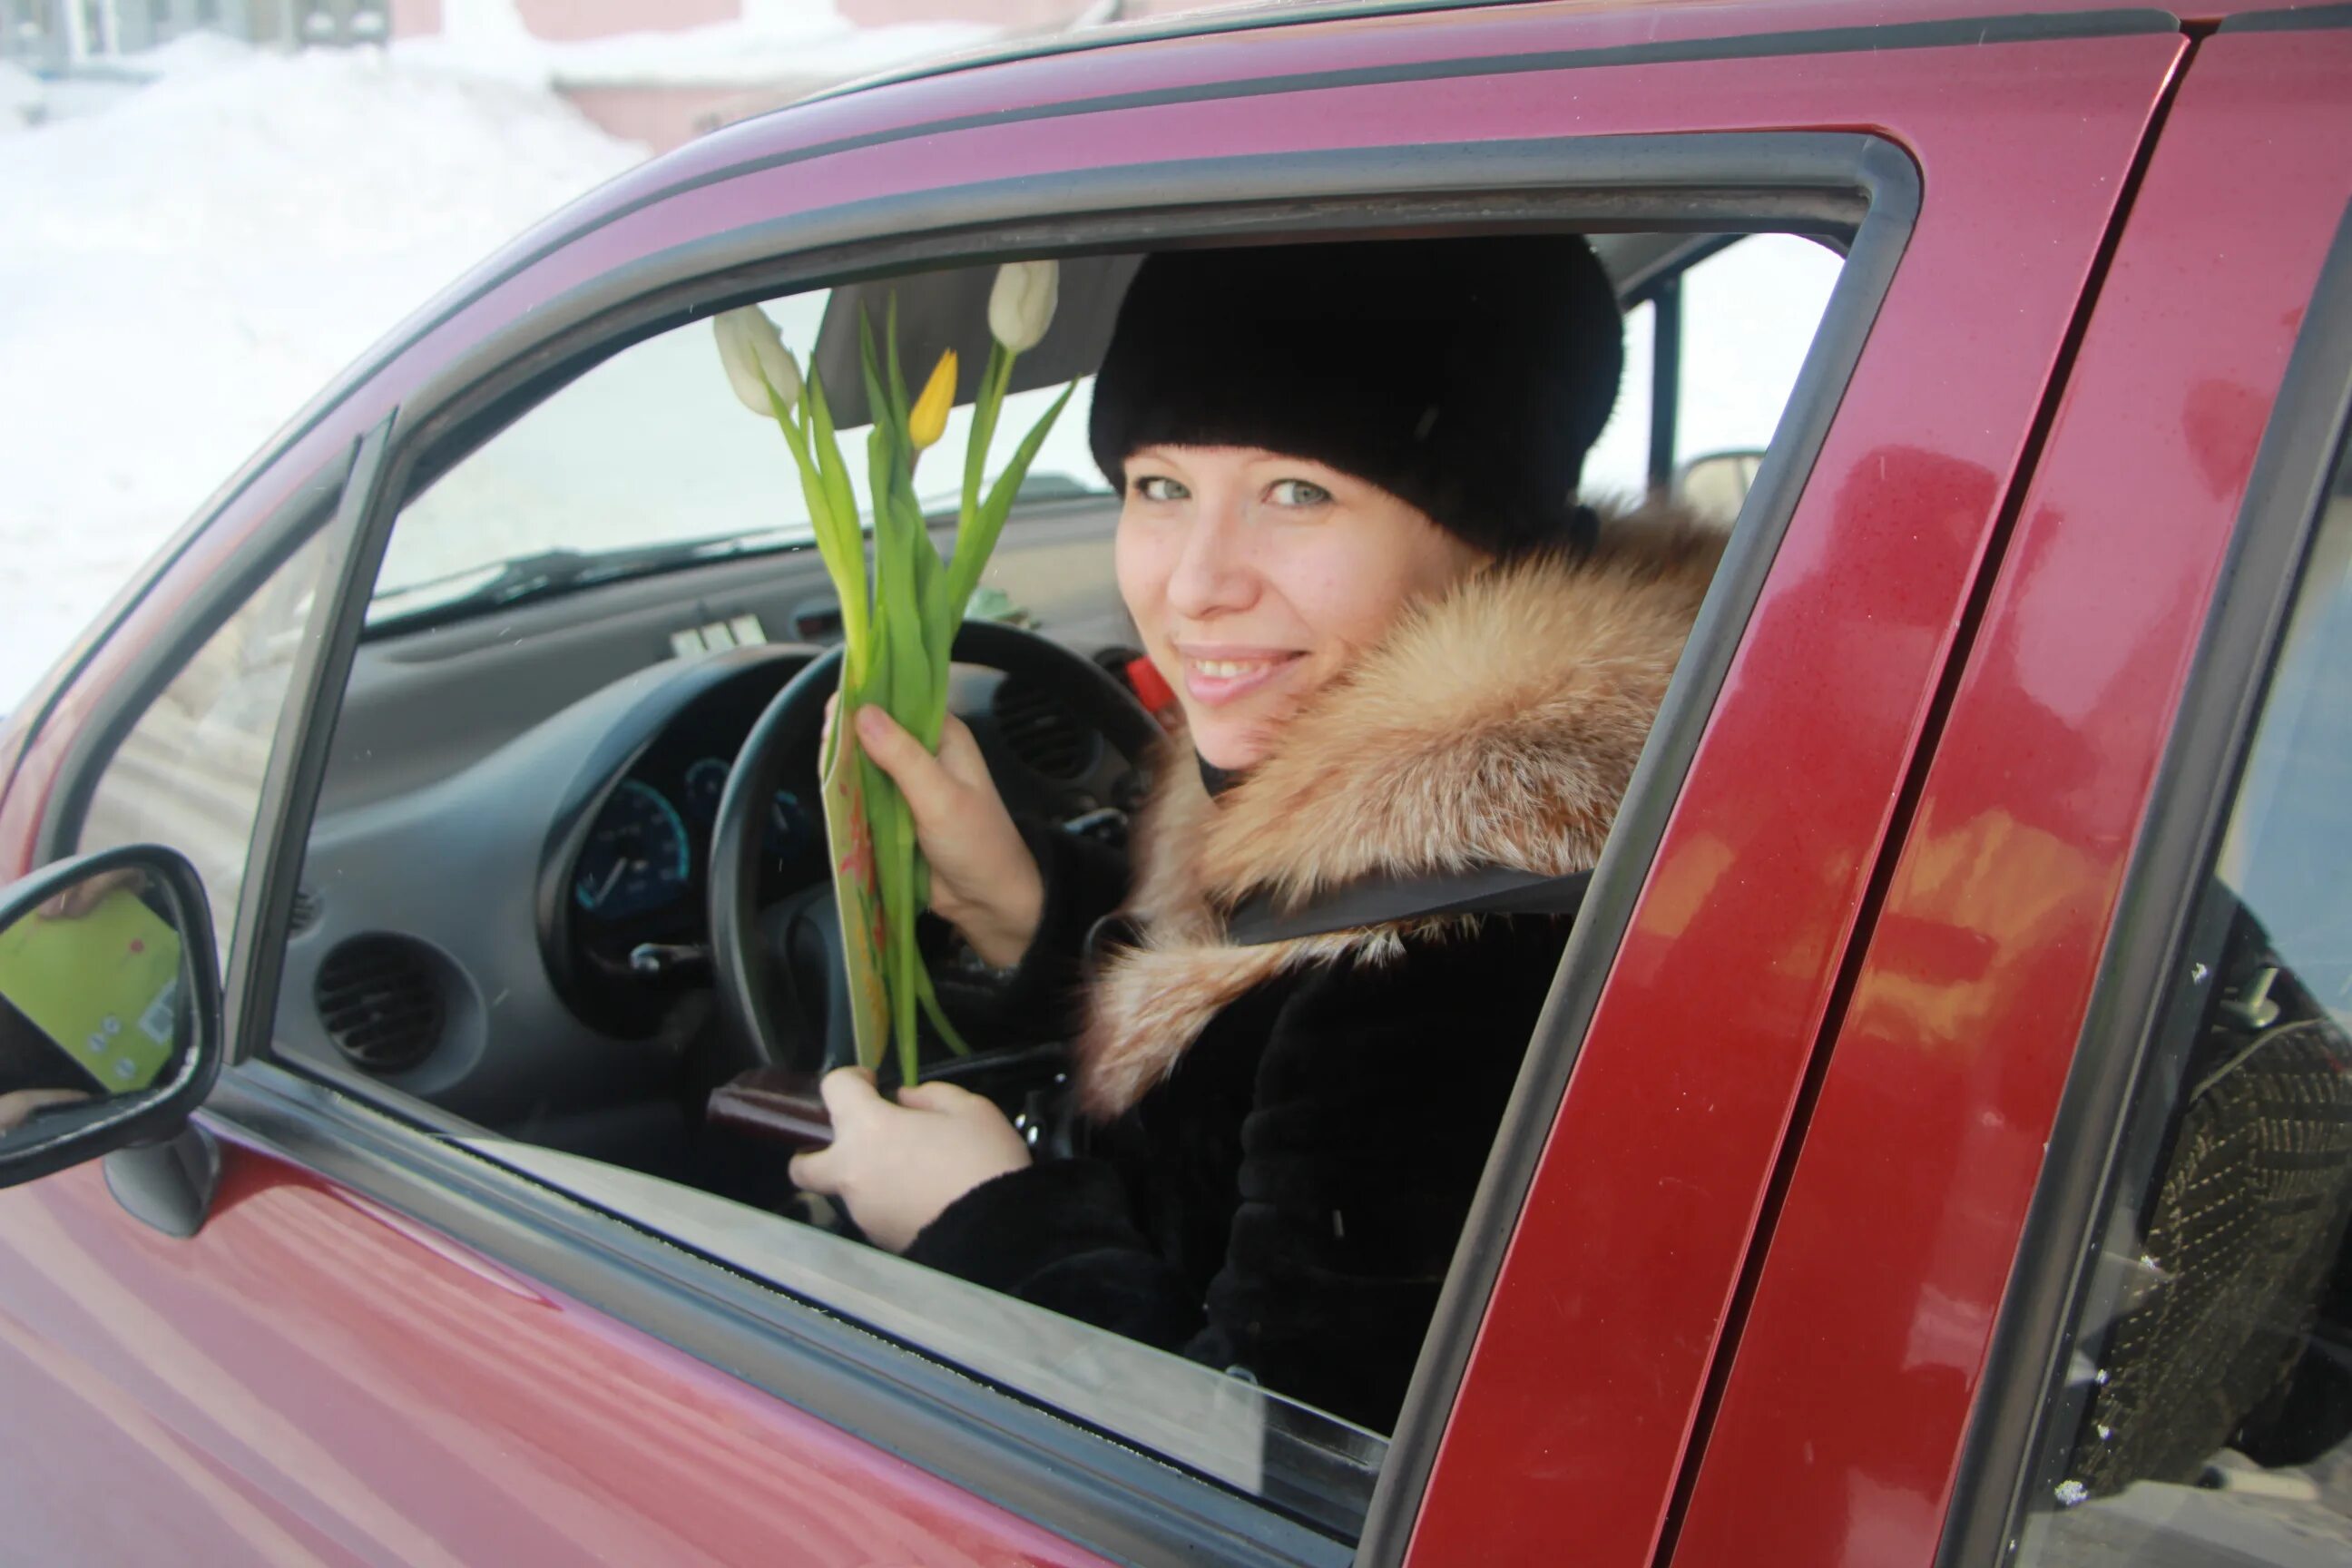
185 262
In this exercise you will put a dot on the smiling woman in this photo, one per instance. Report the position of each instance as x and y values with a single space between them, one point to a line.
1352 543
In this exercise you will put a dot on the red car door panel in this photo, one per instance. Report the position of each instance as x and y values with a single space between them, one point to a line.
1860 1361
319 1378
1590 1365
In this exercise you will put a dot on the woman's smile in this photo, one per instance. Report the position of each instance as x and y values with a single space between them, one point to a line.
1219 673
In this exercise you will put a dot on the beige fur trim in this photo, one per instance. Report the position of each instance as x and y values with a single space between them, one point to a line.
1496 726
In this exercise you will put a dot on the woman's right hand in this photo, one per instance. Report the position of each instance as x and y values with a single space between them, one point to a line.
984 881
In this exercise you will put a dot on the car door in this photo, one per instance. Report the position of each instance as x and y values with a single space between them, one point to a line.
2028 925
382 1347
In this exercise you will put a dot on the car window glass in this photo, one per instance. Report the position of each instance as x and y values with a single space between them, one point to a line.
189 772
1739 365
2207 1407
1619 463
559 1001
648 448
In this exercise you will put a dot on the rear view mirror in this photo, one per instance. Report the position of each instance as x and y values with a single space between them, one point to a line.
1716 485
109 1007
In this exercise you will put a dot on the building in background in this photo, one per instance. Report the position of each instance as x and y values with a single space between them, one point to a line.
57 35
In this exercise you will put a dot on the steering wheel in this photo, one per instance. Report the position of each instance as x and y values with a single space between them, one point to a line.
804 930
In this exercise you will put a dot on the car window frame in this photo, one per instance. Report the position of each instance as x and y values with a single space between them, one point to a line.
1091 1488
308 509
2308 429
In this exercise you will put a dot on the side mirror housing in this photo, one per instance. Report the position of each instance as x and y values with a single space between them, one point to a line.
109 1007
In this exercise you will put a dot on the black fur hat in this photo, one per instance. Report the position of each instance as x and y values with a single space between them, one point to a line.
1466 376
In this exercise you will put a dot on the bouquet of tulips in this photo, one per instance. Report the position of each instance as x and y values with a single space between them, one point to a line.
899 619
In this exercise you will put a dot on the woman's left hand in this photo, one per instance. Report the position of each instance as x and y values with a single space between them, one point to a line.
898 1166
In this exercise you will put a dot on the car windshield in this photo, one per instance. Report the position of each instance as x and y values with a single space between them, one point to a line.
649 460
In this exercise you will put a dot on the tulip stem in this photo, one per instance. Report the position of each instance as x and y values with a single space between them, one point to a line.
898 624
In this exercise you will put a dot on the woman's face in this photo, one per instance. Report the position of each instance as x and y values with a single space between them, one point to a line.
1257 578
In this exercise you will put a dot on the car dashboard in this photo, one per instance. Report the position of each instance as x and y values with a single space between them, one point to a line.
503 906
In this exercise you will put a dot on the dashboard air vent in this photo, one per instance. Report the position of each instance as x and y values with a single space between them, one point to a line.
381 1002
306 911
1043 731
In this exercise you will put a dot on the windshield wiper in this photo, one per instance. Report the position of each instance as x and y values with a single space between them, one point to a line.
547 574
550 574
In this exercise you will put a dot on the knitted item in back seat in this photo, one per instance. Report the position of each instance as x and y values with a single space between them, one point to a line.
2242 1235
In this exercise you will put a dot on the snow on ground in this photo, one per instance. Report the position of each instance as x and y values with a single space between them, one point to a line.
184 265
774 41
20 98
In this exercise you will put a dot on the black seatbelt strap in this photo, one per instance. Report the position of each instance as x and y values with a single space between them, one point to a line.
1497 891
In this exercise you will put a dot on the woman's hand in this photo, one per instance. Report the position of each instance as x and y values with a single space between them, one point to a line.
897 1166
984 881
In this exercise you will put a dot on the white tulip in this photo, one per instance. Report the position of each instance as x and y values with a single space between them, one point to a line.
756 359
1021 306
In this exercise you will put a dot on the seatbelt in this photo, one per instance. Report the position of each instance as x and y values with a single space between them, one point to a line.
1382 901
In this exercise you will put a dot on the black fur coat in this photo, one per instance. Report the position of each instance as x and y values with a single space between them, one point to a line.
1288 1136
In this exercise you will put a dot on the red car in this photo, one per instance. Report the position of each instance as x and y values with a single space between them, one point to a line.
1938 1146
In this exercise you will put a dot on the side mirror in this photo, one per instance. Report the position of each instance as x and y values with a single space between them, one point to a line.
1715 485
109 1007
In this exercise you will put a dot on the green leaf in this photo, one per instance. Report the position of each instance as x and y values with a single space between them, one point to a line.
839 497
986 405
972 555
903 960
900 407
929 999
901 614
838 540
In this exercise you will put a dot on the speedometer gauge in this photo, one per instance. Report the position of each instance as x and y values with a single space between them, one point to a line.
706 782
637 856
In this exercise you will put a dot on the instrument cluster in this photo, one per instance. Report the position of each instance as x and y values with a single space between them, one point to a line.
642 872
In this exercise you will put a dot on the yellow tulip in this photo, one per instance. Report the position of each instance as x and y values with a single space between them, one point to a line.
929 420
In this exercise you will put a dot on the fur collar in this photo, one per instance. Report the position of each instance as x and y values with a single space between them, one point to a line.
1497 725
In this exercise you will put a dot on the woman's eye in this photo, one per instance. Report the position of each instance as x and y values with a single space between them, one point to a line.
1158 486
1298 493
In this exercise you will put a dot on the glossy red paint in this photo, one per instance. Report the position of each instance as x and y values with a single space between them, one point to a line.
1591 1361
324 1380
1863 1354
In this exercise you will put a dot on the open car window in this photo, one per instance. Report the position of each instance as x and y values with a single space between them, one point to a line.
540 1050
